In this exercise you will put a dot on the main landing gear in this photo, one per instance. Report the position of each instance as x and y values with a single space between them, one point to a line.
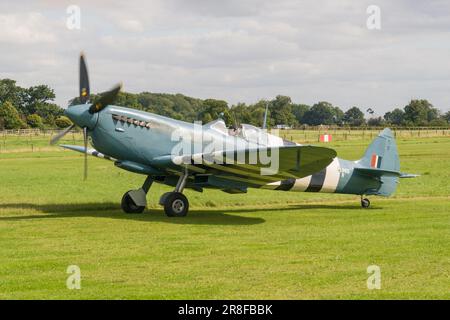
365 203
135 201
175 203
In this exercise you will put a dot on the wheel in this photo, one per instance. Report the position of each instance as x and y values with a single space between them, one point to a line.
176 204
128 205
365 203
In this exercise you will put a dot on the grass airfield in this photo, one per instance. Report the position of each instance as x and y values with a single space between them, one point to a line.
262 245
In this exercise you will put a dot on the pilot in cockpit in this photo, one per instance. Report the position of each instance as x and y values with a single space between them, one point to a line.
233 130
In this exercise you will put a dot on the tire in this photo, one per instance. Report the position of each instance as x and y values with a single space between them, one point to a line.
365 203
128 205
176 205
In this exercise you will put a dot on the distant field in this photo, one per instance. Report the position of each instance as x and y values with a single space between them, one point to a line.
359 134
264 244
32 142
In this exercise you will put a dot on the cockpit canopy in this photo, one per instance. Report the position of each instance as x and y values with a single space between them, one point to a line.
247 132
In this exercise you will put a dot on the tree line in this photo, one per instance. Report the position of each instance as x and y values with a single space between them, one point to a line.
31 107
34 107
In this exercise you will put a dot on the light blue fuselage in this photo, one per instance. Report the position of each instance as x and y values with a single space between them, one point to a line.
144 137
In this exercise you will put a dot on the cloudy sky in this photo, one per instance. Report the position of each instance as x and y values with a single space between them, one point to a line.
236 50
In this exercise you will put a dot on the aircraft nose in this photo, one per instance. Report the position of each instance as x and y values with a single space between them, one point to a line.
80 115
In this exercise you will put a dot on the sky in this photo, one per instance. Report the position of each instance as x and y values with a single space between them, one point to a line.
236 50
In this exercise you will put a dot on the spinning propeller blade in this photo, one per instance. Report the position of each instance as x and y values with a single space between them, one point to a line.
84 81
56 138
105 99
85 139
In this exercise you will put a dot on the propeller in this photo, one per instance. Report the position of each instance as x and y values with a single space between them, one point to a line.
81 115
105 99
56 138
84 81
85 140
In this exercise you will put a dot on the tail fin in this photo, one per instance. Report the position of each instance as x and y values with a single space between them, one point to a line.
382 153
381 162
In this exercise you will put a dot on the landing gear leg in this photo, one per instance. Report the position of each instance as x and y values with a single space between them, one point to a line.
135 201
365 203
175 203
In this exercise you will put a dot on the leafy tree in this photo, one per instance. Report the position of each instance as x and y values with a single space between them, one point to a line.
29 101
49 112
395 117
215 109
338 116
35 121
281 111
446 116
320 113
207 118
299 111
240 113
9 117
36 97
63 122
128 99
36 101
433 115
9 91
419 112
354 116
177 106
438 122
375 122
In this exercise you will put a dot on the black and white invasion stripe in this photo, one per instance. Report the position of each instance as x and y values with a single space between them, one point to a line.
325 180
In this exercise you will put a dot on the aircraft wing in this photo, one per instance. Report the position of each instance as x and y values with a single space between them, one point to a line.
253 166
247 167
90 151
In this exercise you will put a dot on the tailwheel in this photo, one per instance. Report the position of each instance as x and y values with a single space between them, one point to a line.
365 203
175 204
128 205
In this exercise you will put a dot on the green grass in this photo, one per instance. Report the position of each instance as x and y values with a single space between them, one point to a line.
265 244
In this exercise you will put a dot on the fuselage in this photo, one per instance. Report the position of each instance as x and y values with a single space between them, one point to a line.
141 137
337 177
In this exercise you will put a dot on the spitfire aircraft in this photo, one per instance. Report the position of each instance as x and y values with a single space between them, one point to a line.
189 155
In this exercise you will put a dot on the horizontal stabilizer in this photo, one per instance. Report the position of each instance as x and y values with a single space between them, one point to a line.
377 172
409 175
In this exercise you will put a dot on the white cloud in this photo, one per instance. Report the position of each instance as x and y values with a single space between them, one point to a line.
131 25
29 28
236 50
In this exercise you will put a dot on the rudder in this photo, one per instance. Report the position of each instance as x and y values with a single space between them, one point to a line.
382 153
